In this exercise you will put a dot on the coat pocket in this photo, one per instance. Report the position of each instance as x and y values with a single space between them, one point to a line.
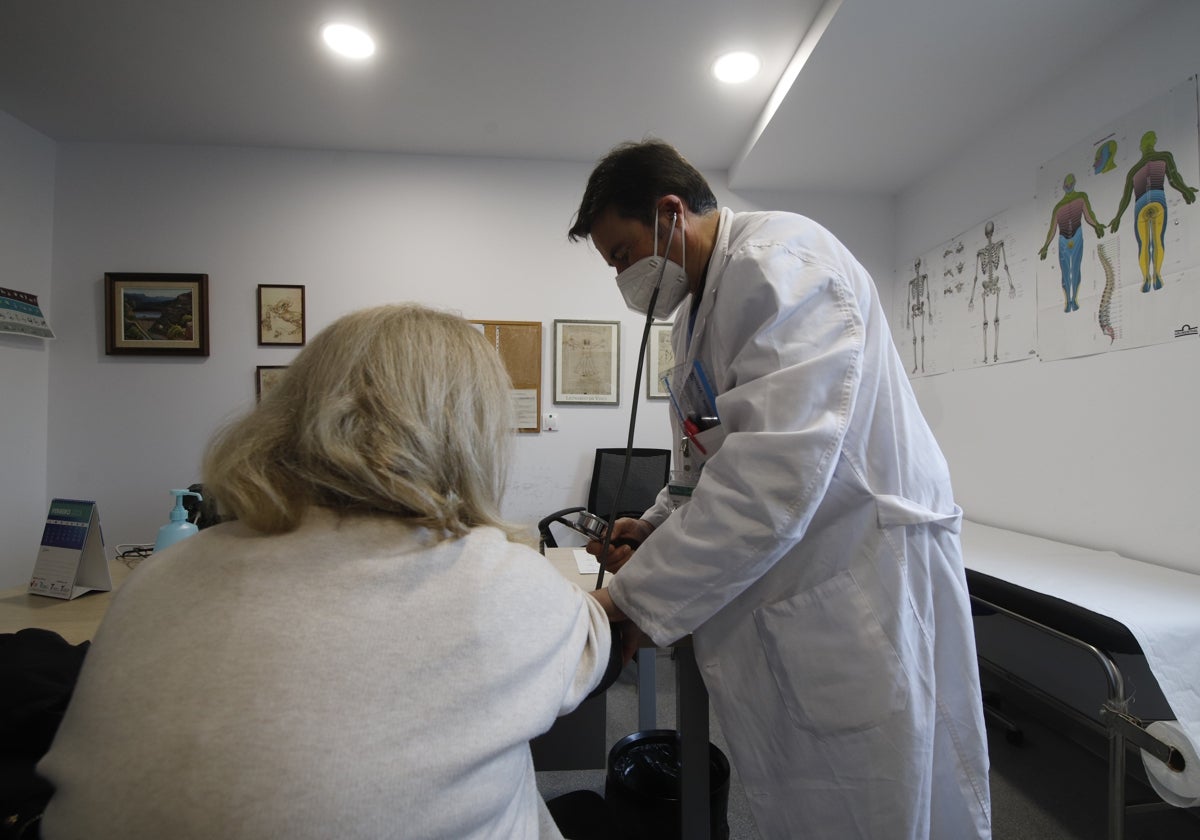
835 668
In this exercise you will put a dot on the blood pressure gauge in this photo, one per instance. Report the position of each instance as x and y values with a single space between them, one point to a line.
588 524
584 522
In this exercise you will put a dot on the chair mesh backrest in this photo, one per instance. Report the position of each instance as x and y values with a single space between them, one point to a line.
648 473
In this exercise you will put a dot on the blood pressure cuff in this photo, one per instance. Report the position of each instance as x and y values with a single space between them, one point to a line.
614 665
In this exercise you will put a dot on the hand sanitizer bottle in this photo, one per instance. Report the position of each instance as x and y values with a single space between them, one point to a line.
178 528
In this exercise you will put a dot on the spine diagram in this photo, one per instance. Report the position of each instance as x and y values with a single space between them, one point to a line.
1110 273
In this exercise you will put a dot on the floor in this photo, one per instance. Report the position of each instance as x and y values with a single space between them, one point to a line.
1051 786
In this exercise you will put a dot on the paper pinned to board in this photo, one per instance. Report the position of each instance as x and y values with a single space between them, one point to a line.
586 563
20 313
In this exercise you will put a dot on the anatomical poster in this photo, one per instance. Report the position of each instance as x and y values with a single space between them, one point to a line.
1118 258
971 301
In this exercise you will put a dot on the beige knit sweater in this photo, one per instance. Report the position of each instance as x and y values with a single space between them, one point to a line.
345 680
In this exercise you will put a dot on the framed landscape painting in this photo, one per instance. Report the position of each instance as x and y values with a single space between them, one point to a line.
156 314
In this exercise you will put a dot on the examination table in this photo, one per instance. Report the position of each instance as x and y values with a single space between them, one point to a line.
1109 607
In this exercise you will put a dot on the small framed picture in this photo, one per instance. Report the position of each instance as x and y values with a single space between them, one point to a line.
587 362
281 315
156 314
265 377
660 358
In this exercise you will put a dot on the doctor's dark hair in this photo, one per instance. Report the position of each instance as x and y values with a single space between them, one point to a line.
398 410
632 177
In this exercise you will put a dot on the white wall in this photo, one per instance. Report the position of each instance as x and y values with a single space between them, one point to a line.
1099 451
484 237
26 226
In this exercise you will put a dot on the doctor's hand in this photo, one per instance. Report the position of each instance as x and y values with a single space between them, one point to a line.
627 535
631 635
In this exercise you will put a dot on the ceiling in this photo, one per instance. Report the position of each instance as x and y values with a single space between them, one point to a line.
886 88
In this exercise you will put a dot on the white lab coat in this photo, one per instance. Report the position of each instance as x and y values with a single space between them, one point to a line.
818 564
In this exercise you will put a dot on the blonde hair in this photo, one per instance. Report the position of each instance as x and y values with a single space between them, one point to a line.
398 410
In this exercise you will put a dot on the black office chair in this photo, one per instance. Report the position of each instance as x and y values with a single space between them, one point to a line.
649 470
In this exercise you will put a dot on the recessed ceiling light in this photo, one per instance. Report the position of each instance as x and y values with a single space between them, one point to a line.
736 67
348 40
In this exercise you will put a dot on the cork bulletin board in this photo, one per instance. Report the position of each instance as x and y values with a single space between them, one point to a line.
519 344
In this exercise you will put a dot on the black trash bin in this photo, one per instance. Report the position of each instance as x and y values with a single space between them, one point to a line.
642 786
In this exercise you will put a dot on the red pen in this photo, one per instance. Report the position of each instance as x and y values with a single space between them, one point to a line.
690 427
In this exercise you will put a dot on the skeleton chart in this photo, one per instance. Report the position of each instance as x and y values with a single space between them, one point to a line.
920 328
981 285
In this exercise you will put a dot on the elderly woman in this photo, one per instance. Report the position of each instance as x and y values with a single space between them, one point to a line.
365 652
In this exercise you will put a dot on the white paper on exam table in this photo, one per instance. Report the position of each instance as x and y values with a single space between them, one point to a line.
1156 603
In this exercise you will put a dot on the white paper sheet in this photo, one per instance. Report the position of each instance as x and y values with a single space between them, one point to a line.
586 563
1159 605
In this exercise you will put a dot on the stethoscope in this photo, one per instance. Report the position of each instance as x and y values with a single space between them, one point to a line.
637 379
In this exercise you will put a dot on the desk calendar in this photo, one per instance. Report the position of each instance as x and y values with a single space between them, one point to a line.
71 559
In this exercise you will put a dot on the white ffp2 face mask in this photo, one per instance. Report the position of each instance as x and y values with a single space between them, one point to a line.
637 283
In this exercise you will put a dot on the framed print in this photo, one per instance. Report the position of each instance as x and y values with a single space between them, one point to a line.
265 377
156 314
281 315
587 361
660 358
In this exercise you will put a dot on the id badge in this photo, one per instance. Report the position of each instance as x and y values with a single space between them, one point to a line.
681 485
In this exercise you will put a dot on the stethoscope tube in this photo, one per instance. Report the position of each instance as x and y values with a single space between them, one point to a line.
637 381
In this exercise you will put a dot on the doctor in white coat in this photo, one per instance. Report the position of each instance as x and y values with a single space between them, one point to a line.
818 563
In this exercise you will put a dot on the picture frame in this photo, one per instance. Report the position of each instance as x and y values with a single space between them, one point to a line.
660 358
153 314
587 362
281 315
265 378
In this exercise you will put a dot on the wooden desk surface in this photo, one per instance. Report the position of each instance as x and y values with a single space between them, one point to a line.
563 559
76 621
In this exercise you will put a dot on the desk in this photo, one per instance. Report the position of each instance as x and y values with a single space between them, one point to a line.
691 711
76 620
